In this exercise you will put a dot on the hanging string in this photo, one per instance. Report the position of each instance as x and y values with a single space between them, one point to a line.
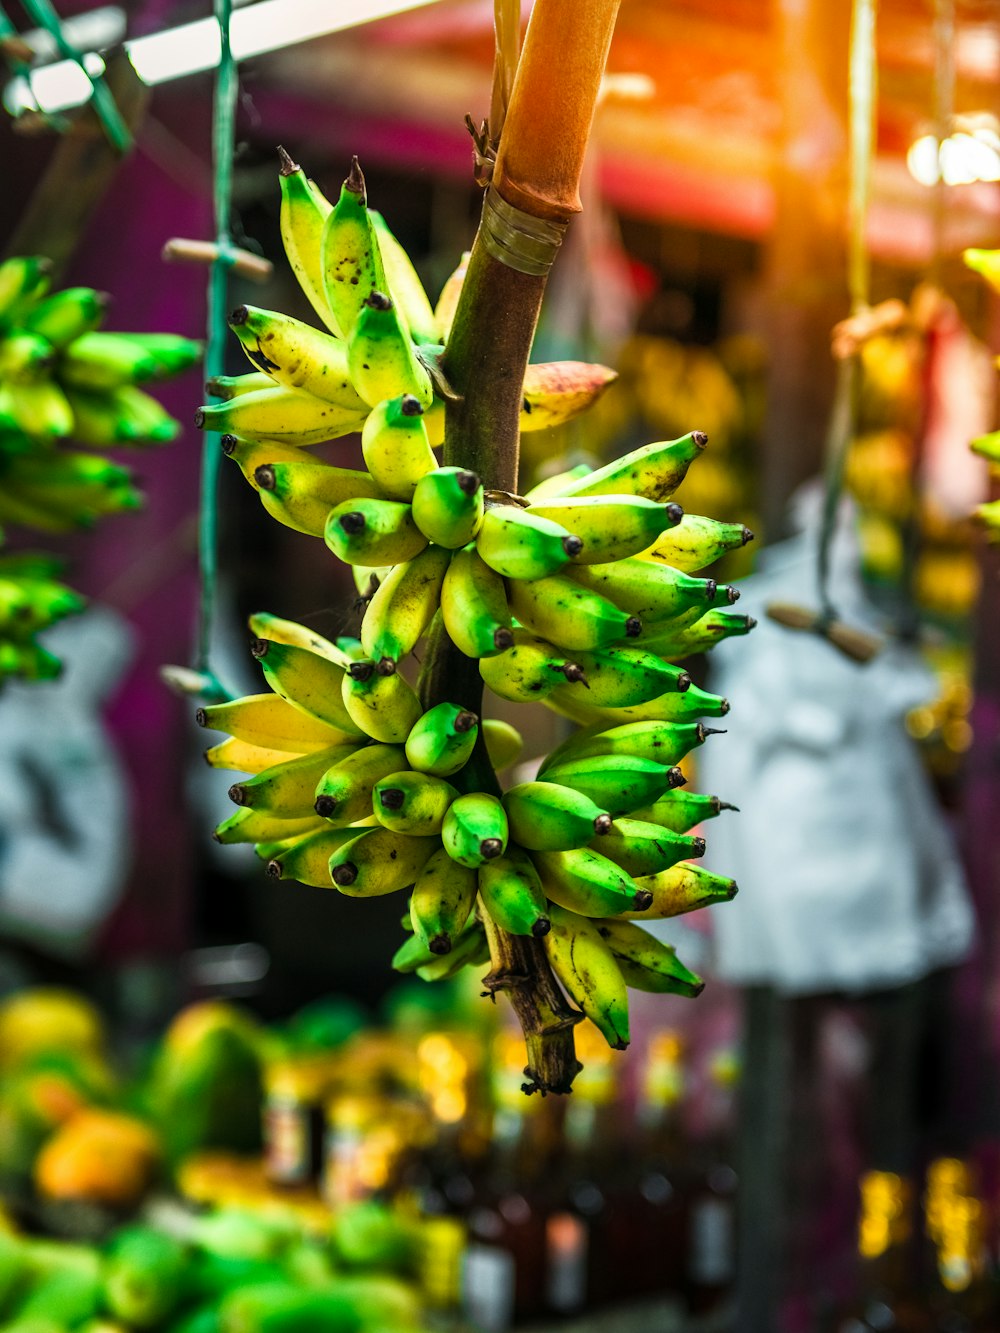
223 144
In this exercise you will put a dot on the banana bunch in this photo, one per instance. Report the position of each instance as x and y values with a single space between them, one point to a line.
586 594
63 379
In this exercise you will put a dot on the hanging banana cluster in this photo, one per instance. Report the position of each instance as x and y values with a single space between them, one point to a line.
582 595
62 379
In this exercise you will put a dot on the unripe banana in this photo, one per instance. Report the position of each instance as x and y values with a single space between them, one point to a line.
682 810
171 352
286 790
304 210
655 470
297 356
587 970
475 829
471 950
344 792
100 361
442 740
704 634
664 743
405 286
379 861
519 545
574 617
443 897
504 743
381 357
404 605
380 702
263 625
617 677
409 802
448 506
512 893
43 411
585 882
529 670
697 541
24 279
396 448
242 757
547 817
474 606
553 485
414 954
289 416
351 261
246 825
684 888
557 391
646 963
646 849
652 591
307 680
300 493
617 783
66 315
674 706
125 416
373 532
987 446
611 527
307 859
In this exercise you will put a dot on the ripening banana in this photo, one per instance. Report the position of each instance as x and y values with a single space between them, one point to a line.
404 605
381 358
301 492
171 352
404 285
647 963
519 545
662 742
441 741
307 680
304 211
287 789
396 449
344 791
443 897
504 743
350 259
684 888
289 416
474 606
410 802
705 633
557 391
447 302
475 829
23 278
529 670
553 485
682 810
100 361
43 411
617 783
66 315
696 542
470 950
576 618
448 506
297 356
307 859
373 532
655 470
379 861
242 757
616 677
611 527
379 701
587 970
246 825
646 849
226 387
511 892
583 881
674 706
653 592
548 817
263 625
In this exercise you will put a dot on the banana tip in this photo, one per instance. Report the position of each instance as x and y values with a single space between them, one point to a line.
199 419
468 483
286 167
698 848
747 536
356 180
273 868
675 513
264 476
239 316
541 927
324 806
699 438
260 647
238 794
229 443
633 627
675 778
491 848
465 721
643 900
440 944
201 717
344 875
572 546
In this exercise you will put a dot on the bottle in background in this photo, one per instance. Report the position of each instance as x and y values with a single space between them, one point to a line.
711 1213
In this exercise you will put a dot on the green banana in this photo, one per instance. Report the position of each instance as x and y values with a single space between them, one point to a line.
350 258
653 592
704 634
307 680
646 963
674 706
655 470
289 416
548 817
664 743
617 783
379 701
646 849
697 541
23 278
379 861
474 606
246 825
287 790
616 677
381 358
684 888
587 970
576 618
307 859
441 741
404 605
475 829
100 361
304 211
511 892
504 743
611 527
125 416
682 810
373 532
529 670
171 352
557 391
410 802
405 286
520 545
471 949
448 506
583 881
297 356
300 493
344 792
66 315
444 895
414 954
25 358
396 449
44 411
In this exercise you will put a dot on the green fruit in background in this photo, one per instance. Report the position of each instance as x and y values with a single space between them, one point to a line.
145 1276
369 1234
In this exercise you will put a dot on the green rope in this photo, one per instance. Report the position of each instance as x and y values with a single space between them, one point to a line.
22 69
223 140
105 107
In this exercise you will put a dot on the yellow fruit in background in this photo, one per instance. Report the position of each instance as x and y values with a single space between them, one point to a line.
193 1024
36 1021
101 1156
